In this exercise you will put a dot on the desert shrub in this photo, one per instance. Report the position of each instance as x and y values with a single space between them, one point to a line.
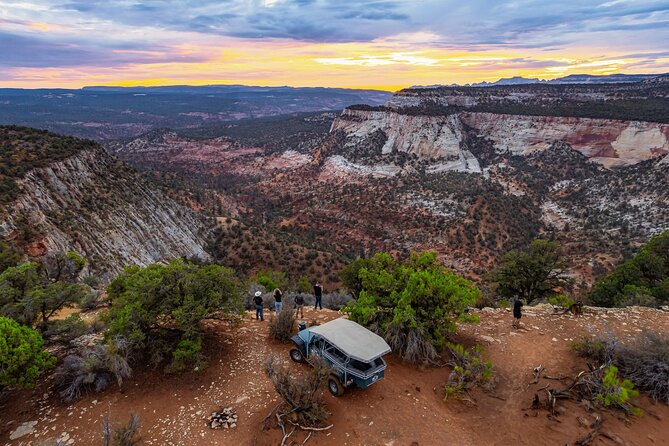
469 370
414 305
302 394
600 349
336 300
282 327
270 279
65 267
95 369
646 363
66 330
123 435
91 300
642 280
8 256
30 298
22 357
532 274
617 393
159 309
561 300
350 275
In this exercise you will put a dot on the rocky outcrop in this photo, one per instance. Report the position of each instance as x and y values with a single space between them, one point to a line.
609 142
437 138
612 143
93 204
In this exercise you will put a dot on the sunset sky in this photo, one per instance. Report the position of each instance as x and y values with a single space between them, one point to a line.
386 44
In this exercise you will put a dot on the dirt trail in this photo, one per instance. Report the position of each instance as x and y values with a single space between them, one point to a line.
406 408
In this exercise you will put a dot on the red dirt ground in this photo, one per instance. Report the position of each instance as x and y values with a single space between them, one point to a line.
406 408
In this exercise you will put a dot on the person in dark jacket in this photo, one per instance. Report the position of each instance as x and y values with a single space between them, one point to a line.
318 294
299 305
517 314
278 295
259 309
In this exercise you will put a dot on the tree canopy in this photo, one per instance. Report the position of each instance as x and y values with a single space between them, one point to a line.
30 296
532 274
641 280
413 304
159 308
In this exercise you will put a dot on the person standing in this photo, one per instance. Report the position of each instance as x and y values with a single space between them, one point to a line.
517 313
318 294
278 295
259 309
299 305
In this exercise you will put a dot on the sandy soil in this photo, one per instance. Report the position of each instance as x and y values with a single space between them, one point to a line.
406 408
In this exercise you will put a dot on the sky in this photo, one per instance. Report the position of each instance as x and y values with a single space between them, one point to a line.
384 44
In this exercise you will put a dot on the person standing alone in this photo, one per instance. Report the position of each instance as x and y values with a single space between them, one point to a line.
259 309
517 313
278 295
318 294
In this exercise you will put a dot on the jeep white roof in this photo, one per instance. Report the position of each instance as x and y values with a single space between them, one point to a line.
353 339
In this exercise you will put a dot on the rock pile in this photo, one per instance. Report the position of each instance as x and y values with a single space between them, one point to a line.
225 419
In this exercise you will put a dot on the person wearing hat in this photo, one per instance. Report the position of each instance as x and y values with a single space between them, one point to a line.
259 309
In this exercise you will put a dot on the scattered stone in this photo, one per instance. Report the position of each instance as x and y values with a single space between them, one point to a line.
225 418
488 339
24 429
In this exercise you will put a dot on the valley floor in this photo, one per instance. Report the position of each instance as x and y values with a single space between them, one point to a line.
406 408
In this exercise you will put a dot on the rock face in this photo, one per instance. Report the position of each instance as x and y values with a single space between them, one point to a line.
94 204
428 137
611 143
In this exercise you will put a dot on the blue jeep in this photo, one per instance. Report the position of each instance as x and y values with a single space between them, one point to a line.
354 353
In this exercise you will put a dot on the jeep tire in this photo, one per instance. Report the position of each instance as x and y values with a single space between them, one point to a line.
335 386
296 355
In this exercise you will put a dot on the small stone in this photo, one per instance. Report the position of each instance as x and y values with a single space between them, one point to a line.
23 430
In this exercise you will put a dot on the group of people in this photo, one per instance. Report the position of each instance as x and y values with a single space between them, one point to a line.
278 302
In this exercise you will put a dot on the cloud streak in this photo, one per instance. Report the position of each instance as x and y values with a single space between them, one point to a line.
336 42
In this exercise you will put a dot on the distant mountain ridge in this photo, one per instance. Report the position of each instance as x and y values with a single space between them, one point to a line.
105 113
571 79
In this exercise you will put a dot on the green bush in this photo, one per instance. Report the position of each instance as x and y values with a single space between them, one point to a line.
31 296
22 357
642 280
469 370
159 308
617 393
561 300
8 256
414 305
532 274
271 280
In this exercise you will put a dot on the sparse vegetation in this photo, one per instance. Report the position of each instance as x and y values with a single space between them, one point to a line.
282 327
94 369
644 361
123 435
302 395
469 370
